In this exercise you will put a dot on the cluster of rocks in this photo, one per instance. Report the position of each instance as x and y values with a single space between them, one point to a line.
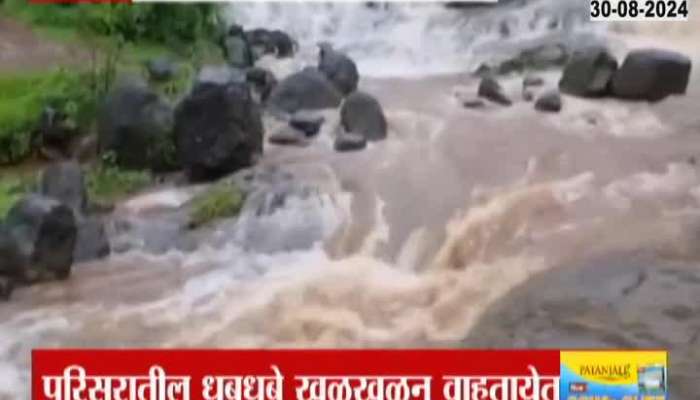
47 231
646 74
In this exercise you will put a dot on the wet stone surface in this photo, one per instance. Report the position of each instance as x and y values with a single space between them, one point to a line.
622 301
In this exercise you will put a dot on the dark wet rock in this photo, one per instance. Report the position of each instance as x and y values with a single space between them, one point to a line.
349 141
218 130
237 49
362 114
136 125
490 89
308 89
652 75
219 74
617 301
339 69
532 80
308 123
55 133
45 232
474 103
287 136
589 72
7 285
161 69
11 259
539 57
275 42
92 242
65 182
261 81
549 101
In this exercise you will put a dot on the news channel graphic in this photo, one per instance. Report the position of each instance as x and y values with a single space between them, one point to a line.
349 375
639 10
614 375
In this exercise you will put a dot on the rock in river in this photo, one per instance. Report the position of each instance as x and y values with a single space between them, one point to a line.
652 75
65 182
490 89
44 231
308 89
363 115
339 69
549 101
218 130
137 127
589 72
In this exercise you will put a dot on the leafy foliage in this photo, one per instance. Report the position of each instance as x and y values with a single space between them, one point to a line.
220 201
12 189
169 24
22 98
107 183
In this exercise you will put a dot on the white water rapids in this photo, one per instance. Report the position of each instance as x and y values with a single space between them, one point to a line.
409 242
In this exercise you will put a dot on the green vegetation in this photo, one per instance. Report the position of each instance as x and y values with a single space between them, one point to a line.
220 201
22 98
12 189
166 24
107 183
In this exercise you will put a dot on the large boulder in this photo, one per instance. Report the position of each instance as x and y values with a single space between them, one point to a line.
490 89
348 141
589 72
7 285
65 182
339 69
218 130
137 127
11 262
363 115
308 89
45 232
652 75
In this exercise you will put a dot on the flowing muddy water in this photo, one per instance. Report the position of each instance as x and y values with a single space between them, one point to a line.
430 238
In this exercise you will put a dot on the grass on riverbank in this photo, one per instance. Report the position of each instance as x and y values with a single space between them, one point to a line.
220 201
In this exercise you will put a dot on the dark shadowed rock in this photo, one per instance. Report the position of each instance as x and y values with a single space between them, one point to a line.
261 81
490 89
631 301
218 130
306 122
652 75
55 133
7 285
45 231
288 136
136 125
92 242
284 45
308 89
339 69
65 182
589 72
362 114
348 141
11 259
276 42
474 103
549 101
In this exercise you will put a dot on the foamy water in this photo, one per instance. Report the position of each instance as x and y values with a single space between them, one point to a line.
407 243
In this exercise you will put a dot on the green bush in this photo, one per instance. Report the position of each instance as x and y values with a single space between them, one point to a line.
220 201
107 183
170 24
22 98
12 189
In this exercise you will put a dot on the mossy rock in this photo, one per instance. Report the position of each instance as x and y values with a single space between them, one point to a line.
220 201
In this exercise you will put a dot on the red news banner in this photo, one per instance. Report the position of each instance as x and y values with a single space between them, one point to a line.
295 375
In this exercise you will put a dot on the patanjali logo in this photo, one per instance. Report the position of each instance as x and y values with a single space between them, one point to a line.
608 373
